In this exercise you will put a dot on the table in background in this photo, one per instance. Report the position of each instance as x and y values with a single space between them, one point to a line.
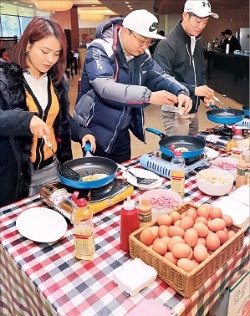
43 279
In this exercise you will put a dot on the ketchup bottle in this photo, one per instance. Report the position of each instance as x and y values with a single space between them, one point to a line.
129 222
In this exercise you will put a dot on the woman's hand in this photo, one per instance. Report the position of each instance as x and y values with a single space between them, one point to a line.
38 127
89 138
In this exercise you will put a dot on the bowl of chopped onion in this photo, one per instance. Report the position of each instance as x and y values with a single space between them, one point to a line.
162 201
216 182
226 163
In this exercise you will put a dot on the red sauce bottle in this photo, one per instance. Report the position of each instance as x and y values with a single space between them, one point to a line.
129 222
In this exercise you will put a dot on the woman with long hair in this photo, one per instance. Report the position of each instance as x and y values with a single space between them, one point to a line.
34 107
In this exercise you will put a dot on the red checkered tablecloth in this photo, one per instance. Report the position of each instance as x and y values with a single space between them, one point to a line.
46 279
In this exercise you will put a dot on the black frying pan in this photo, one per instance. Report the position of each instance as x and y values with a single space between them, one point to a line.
90 166
225 116
194 145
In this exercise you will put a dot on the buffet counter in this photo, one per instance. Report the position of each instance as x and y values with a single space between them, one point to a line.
46 279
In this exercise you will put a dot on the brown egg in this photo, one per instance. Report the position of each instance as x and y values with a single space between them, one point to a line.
200 253
228 220
166 239
160 247
204 210
201 241
169 256
191 212
173 241
147 237
201 219
175 231
215 213
175 216
154 230
212 242
223 236
231 233
181 250
191 237
163 231
164 219
187 222
186 264
177 223
201 229
216 224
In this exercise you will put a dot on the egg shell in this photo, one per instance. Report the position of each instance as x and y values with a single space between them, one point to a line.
191 237
175 216
201 219
173 241
163 231
187 222
181 250
186 264
175 231
212 242
160 247
164 219
216 212
223 236
200 253
201 229
169 256
204 210
147 237
228 220
166 239
216 224
191 212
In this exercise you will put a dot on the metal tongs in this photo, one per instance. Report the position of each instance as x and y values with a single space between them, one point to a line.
65 171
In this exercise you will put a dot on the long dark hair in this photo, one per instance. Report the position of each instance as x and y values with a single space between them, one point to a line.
36 30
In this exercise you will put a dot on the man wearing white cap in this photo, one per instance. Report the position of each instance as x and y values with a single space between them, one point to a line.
119 79
181 55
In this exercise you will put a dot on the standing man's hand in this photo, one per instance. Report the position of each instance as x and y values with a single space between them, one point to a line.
204 91
184 104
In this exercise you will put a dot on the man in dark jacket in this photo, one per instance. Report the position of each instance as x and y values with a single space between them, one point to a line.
181 55
119 79
234 44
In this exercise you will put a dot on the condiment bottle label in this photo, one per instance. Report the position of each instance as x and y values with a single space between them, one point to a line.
145 217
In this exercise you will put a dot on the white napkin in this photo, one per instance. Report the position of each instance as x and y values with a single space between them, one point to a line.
133 276
236 205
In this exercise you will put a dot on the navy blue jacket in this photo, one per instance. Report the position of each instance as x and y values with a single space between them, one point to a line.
110 85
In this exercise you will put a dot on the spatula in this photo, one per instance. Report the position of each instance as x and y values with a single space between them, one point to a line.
65 171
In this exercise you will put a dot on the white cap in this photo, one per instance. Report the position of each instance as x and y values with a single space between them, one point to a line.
129 204
143 23
201 8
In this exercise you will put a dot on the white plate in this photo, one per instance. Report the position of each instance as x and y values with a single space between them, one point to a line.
211 153
143 174
41 224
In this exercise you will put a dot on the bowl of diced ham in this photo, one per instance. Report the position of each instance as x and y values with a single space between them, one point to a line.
162 201
226 163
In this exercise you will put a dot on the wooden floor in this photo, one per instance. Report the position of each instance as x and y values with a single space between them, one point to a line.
152 119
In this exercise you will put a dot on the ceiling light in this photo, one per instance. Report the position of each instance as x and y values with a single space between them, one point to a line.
95 17
51 5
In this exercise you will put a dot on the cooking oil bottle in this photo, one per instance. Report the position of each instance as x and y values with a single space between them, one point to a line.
177 174
83 231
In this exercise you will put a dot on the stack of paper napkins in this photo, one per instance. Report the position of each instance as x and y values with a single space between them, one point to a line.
236 204
133 276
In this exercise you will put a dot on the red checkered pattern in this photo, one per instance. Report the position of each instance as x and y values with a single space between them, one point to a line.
51 280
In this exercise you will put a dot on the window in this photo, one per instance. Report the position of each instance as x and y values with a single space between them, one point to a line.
12 25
